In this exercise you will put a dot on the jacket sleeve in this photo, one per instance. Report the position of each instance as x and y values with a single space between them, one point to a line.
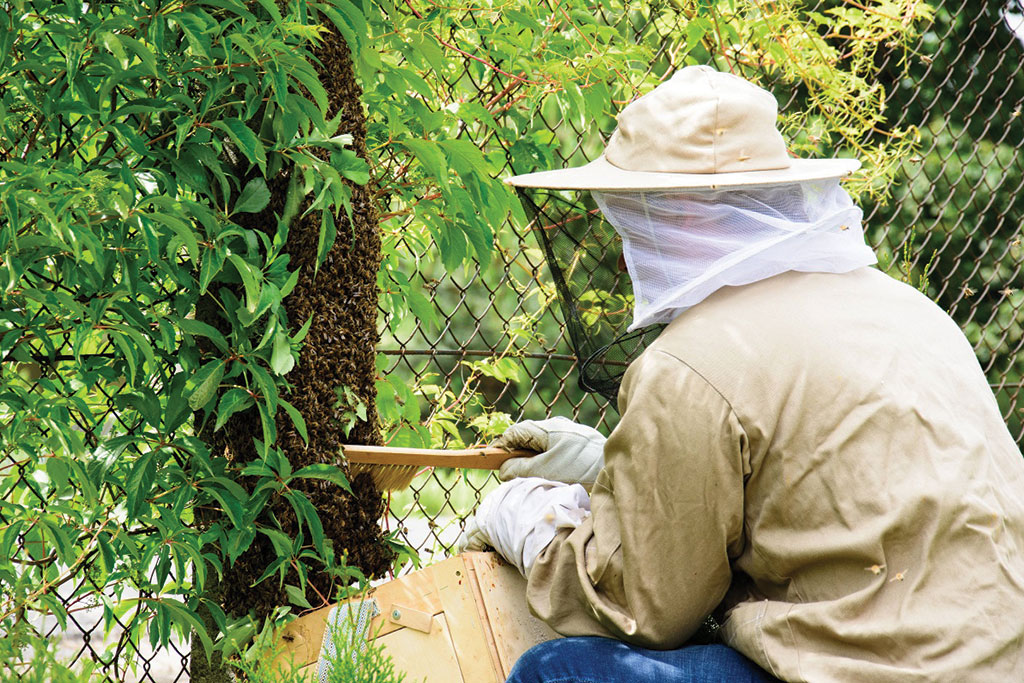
653 559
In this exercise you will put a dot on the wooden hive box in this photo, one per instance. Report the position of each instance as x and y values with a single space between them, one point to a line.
463 620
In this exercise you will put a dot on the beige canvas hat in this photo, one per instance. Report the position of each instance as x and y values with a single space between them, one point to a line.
699 129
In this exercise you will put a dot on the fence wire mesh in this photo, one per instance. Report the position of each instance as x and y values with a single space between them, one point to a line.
954 220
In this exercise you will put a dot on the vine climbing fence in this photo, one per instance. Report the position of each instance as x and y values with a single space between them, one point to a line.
951 224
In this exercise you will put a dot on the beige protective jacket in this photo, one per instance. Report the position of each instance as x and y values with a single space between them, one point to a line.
828 446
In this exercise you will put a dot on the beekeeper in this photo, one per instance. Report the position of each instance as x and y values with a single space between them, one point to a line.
809 447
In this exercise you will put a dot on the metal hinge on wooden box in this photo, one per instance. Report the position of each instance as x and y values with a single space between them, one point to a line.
463 620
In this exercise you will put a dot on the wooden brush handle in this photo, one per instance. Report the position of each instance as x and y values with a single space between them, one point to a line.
487 458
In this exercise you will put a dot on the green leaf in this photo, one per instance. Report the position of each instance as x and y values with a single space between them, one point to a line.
426 46
306 513
10 535
267 425
208 378
182 230
351 166
231 504
140 482
306 75
197 327
480 236
522 20
270 297
421 307
187 621
239 40
233 401
297 419
212 264
268 334
349 20
271 7
60 539
267 385
331 473
113 44
141 51
430 157
251 279
195 32
303 331
245 140
279 565
325 240
254 198
146 402
280 540
290 283
281 359
58 472
131 358
297 597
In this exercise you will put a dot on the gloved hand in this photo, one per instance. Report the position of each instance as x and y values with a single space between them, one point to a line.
521 517
569 452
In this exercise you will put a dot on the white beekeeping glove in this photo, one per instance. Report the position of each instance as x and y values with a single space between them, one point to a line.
568 452
521 517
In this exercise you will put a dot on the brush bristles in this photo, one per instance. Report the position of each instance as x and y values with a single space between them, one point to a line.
386 477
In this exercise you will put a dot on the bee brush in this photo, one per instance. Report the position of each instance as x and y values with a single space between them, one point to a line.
394 468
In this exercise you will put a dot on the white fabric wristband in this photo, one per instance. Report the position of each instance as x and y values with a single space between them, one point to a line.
521 517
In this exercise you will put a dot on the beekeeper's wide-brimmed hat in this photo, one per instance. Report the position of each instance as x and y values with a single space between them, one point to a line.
699 129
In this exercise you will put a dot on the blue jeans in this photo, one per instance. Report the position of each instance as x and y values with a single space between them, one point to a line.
603 660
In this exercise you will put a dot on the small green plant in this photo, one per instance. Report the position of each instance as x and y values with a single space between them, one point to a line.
354 660
366 664
908 269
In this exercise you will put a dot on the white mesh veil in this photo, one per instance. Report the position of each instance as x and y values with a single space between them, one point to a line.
682 245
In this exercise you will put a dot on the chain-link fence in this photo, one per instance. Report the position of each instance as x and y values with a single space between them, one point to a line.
953 226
